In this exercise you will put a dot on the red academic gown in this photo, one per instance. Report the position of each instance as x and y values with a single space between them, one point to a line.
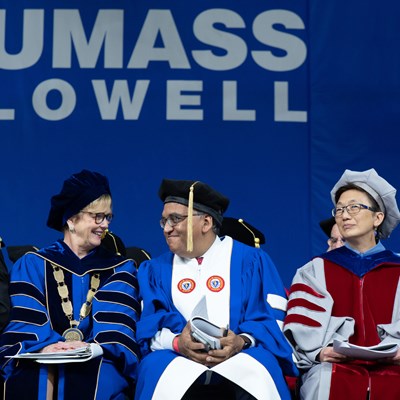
342 295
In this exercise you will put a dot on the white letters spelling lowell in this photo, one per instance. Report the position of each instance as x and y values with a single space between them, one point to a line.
107 35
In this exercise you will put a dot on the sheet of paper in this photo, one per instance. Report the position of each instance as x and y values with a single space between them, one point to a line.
365 353
79 355
201 308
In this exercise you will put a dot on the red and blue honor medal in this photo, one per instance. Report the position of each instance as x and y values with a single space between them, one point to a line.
186 285
215 283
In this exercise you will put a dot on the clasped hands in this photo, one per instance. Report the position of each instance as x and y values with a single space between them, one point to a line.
195 351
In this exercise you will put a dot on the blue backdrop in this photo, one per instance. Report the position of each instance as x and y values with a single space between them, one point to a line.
268 102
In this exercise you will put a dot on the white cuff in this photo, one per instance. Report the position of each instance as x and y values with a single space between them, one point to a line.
162 340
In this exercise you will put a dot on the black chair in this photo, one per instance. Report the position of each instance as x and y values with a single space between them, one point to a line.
110 241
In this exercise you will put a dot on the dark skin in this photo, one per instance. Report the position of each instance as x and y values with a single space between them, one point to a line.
231 345
203 238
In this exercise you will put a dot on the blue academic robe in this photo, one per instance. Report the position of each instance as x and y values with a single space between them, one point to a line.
251 272
37 320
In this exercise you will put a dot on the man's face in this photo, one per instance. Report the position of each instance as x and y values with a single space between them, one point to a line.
336 240
176 235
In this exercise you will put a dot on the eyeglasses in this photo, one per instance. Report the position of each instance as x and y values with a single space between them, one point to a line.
334 240
174 219
100 217
351 209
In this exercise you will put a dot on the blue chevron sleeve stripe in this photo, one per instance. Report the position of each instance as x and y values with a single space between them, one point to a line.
28 316
119 298
114 336
124 277
115 318
29 290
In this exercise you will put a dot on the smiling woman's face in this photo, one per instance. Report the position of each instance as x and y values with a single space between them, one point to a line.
87 233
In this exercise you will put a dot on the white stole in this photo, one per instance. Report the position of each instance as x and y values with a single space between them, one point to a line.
191 282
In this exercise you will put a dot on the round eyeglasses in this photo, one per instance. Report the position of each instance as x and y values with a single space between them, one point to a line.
351 209
174 219
100 217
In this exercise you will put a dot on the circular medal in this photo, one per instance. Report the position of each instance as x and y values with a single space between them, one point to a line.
73 334
215 283
186 285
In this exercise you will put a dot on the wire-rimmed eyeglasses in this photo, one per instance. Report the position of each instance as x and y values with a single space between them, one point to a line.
333 240
174 219
100 217
351 209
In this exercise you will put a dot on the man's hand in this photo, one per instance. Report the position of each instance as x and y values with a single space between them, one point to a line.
191 349
231 345
195 351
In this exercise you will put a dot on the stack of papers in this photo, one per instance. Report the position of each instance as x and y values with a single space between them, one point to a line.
79 355
381 350
206 332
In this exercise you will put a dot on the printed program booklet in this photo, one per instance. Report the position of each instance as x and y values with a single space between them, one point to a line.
79 355
381 350
206 332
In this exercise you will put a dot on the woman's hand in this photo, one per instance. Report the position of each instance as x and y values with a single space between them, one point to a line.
327 354
63 346
391 360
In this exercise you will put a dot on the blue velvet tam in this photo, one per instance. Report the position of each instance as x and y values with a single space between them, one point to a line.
77 192
205 198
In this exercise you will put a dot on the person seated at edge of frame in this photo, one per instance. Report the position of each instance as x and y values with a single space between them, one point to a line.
331 229
4 296
350 295
228 276
71 294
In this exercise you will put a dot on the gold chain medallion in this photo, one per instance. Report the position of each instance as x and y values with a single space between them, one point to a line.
73 333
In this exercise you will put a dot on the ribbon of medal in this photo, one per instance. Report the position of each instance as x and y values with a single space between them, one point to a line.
73 333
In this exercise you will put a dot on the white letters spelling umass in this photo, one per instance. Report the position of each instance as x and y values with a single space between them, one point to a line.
107 38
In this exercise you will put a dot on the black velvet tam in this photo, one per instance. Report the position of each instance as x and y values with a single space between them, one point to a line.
205 198
77 192
242 231
327 225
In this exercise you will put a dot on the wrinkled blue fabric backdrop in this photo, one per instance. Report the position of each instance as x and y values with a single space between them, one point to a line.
268 102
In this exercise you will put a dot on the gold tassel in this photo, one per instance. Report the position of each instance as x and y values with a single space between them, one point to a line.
107 232
256 239
104 234
189 241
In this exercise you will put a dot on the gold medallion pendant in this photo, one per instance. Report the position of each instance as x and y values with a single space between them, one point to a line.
73 334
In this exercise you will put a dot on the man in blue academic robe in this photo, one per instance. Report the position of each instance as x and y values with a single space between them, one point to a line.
219 279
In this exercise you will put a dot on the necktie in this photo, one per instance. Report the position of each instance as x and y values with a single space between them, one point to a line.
199 260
